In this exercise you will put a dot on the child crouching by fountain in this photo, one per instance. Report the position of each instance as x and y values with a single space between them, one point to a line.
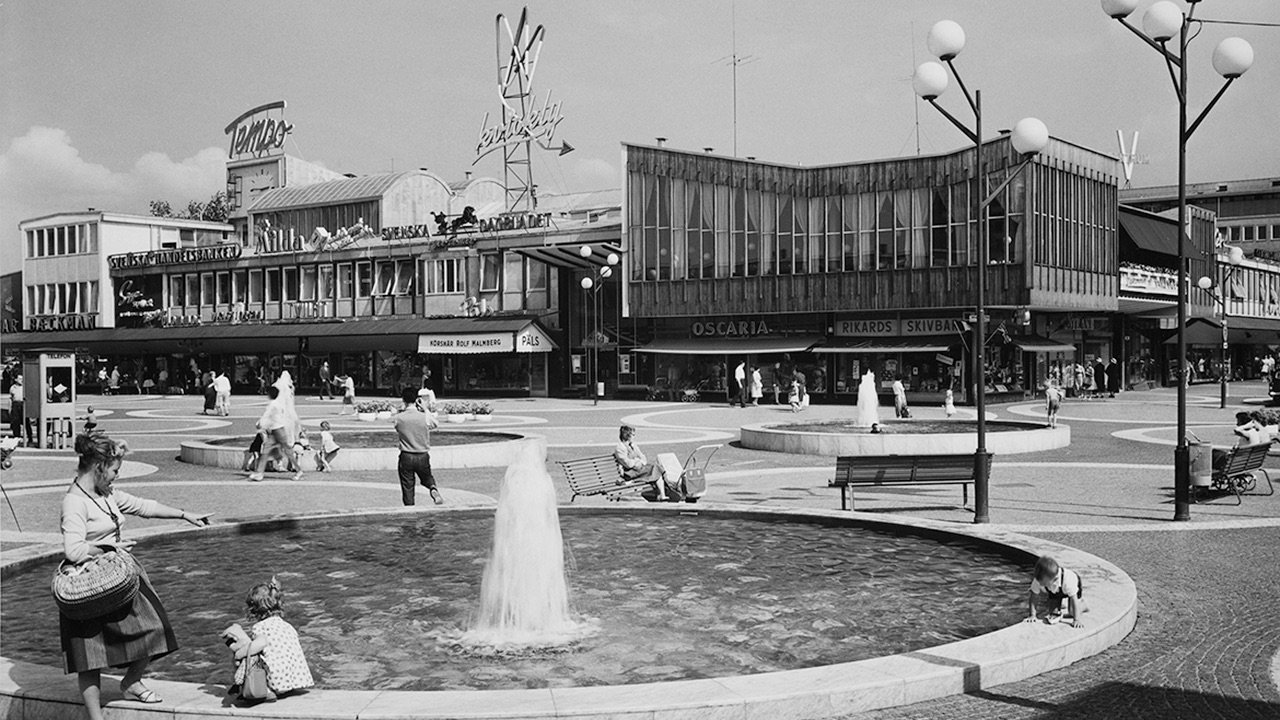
270 648
1051 584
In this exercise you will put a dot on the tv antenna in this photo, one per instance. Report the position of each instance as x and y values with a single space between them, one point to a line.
734 60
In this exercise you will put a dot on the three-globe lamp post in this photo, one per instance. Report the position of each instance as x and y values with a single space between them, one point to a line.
946 40
1164 21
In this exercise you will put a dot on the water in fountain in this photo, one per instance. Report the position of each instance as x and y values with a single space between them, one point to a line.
524 601
868 403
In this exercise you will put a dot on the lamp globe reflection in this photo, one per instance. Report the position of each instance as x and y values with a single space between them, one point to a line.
1233 57
1205 282
585 251
1119 8
946 39
587 283
1029 136
930 80
1162 21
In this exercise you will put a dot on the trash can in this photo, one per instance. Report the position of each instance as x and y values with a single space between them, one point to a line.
1201 464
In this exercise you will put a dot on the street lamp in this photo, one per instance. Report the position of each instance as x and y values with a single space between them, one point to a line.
1029 136
1234 256
1163 21
592 286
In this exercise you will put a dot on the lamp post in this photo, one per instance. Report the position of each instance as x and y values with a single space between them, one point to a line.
591 296
1162 22
1234 257
946 40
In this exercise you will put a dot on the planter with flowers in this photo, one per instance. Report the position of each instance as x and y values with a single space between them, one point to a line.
455 412
483 411
367 411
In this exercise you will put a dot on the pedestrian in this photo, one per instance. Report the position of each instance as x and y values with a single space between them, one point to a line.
271 641
1051 584
949 403
740 384
1113 377
90 419
348 394
103 389
794 395
92 520
328 448
17 410
113 381
326 381
413 428
163 381
1099 376
757 386
222 390
301 446
900 408
274 425
252 452
1052 401
210 393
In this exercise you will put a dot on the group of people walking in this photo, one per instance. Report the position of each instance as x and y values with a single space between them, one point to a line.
1095 377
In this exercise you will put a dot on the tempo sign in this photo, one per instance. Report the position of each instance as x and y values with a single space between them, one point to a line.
260 132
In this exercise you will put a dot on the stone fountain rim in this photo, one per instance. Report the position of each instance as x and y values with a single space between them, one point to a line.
1002 656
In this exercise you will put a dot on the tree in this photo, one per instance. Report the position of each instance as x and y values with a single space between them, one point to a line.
161 208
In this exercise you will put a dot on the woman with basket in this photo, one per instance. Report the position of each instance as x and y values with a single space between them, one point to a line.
110 615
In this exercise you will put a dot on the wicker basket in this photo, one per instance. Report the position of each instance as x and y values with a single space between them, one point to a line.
99 586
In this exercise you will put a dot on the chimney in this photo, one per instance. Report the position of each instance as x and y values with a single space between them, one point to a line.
468 175
662 142
707 150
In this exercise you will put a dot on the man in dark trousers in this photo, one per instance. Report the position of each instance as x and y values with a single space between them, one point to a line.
413 427
1099 376
1113 377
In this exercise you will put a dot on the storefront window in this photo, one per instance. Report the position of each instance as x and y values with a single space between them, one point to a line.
255 286
273 285
324 282
289 278
177 296
346 281
308 289
364 279
206 289
489 272
223 288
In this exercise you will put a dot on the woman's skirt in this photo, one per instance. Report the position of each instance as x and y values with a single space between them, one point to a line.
210 399
135 632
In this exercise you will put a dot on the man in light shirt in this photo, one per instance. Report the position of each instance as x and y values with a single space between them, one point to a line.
413 428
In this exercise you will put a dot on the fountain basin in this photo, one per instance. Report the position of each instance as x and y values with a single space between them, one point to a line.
903 437
464 449
1006 655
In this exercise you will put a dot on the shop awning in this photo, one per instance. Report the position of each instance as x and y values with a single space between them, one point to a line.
1036 343
569 255
938 343
1151 233
1146 307
730 346
1200 332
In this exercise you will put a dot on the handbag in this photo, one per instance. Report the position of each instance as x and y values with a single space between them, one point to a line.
255 686
99 586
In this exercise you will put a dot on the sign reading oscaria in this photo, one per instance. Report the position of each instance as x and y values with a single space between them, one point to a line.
257 132
729 328
227 251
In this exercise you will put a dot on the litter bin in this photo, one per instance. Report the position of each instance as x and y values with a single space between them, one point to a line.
1201 464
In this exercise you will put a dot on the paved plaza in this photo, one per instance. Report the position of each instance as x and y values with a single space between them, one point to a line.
1208 634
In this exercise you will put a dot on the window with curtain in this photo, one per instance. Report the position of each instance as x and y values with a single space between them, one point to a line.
346 281
902 228
786 209
940 253
768 233
404 277
849 232
324 283
490 272
255 286
536 272
177 296
443 277
920 207
693 230
207 295
960 224
738 227
223 296
364 279
721 230
835 251
679 218
884 231
800 235
307 291
753 233
193 289
240 286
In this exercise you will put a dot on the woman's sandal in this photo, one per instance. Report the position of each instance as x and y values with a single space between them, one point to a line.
145 695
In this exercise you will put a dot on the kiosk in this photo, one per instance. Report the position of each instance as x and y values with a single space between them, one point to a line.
49 375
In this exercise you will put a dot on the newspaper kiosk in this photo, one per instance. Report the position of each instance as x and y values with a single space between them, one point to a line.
49 375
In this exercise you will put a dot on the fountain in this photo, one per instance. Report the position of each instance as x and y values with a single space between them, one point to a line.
868 402
524 602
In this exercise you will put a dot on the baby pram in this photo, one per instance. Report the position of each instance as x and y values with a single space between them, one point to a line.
692 476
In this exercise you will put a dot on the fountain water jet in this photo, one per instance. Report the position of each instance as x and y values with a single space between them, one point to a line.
868 402
524 600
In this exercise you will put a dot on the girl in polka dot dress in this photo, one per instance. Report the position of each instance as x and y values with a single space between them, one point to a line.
273 638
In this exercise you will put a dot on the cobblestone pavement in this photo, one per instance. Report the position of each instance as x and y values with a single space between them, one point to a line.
1208 631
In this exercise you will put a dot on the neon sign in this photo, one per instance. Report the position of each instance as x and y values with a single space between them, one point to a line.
520 123
258 132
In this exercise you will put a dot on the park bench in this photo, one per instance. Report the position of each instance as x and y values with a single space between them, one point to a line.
1236 472
869 470
597 476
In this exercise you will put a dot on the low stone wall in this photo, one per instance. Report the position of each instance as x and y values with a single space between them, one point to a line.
770 437
444 457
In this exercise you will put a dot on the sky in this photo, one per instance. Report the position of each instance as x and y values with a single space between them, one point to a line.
112 104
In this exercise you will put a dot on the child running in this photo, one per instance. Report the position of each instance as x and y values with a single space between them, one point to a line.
328 448
270 640
1050 585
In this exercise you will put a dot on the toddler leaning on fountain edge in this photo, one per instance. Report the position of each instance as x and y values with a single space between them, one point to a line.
270 648
1051 584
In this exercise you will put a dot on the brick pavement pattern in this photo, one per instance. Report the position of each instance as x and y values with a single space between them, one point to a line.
1208 629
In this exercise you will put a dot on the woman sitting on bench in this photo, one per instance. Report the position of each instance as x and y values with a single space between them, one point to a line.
633 465
1250 432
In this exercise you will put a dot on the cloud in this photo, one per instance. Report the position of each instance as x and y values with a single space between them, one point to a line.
42 172
595 174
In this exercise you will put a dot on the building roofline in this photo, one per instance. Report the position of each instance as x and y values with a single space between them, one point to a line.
129 219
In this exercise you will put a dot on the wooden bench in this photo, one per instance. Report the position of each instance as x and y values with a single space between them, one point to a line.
1236 472
597 476
869 470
